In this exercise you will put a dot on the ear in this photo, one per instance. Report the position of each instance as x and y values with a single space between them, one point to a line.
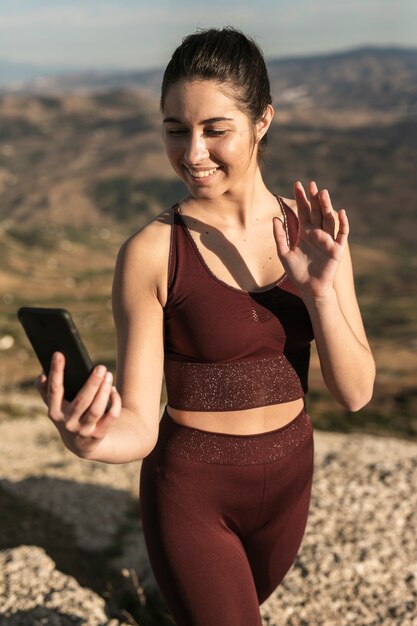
264 123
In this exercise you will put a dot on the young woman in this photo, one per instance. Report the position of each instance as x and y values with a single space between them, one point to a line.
225 292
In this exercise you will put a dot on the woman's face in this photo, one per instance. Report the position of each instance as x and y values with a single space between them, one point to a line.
210 143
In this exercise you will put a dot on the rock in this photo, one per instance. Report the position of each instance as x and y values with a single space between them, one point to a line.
33 591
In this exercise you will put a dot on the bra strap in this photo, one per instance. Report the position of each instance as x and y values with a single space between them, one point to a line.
172 260
291 223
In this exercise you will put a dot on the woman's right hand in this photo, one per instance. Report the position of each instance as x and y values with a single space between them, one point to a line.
84 422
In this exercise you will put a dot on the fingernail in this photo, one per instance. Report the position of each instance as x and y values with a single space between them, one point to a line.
100 370
108 377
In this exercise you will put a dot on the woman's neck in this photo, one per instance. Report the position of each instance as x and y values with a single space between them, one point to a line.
238 207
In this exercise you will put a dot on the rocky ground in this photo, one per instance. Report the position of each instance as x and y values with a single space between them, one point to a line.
71 551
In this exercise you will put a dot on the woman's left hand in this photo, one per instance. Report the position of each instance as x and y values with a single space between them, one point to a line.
312 262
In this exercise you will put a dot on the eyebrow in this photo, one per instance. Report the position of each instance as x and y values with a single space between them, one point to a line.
210 120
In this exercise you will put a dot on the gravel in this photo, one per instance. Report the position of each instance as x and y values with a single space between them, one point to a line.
357 564
358 561
33 592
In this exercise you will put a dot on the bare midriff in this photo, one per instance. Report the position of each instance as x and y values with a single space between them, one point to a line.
243 422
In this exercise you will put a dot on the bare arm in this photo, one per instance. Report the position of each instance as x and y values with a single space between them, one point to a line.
320 266
346 360
128 431
138 316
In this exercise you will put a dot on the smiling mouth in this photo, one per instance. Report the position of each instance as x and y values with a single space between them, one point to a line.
201 173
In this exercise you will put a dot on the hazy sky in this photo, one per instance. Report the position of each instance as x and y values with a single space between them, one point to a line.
135 33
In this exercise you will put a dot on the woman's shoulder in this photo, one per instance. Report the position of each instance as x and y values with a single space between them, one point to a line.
143 257
152 240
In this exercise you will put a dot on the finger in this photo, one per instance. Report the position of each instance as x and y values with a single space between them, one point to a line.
328 213
55 386
280 236
41 384
85 397
115 404
97 409
316 210
312 190
106 422
343 231
325 202
303 204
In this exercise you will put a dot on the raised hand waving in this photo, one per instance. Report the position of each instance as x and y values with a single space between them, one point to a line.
312 263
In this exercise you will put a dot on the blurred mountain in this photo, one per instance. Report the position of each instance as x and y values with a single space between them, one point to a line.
381 78
30 79
378 78
76 155
14 75
82 165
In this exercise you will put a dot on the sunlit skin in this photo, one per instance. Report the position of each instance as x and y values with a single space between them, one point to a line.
205 132
213 147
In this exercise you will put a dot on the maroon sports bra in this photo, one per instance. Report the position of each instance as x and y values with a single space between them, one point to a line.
228 349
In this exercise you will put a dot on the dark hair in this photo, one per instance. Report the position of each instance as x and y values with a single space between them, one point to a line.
228 57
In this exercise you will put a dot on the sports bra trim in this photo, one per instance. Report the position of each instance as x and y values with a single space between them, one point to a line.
176 212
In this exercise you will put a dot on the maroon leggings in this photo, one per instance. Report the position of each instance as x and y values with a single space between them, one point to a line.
224 516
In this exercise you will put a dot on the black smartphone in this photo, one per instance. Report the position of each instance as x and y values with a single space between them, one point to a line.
53 330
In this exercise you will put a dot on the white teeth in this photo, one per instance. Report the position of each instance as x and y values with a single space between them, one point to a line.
200 174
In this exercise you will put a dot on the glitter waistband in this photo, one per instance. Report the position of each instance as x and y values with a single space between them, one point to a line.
231 386
225 449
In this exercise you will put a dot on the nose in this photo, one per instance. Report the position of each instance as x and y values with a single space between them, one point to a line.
196 148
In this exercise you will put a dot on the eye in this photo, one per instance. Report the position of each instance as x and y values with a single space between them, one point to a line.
176 132
213 132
